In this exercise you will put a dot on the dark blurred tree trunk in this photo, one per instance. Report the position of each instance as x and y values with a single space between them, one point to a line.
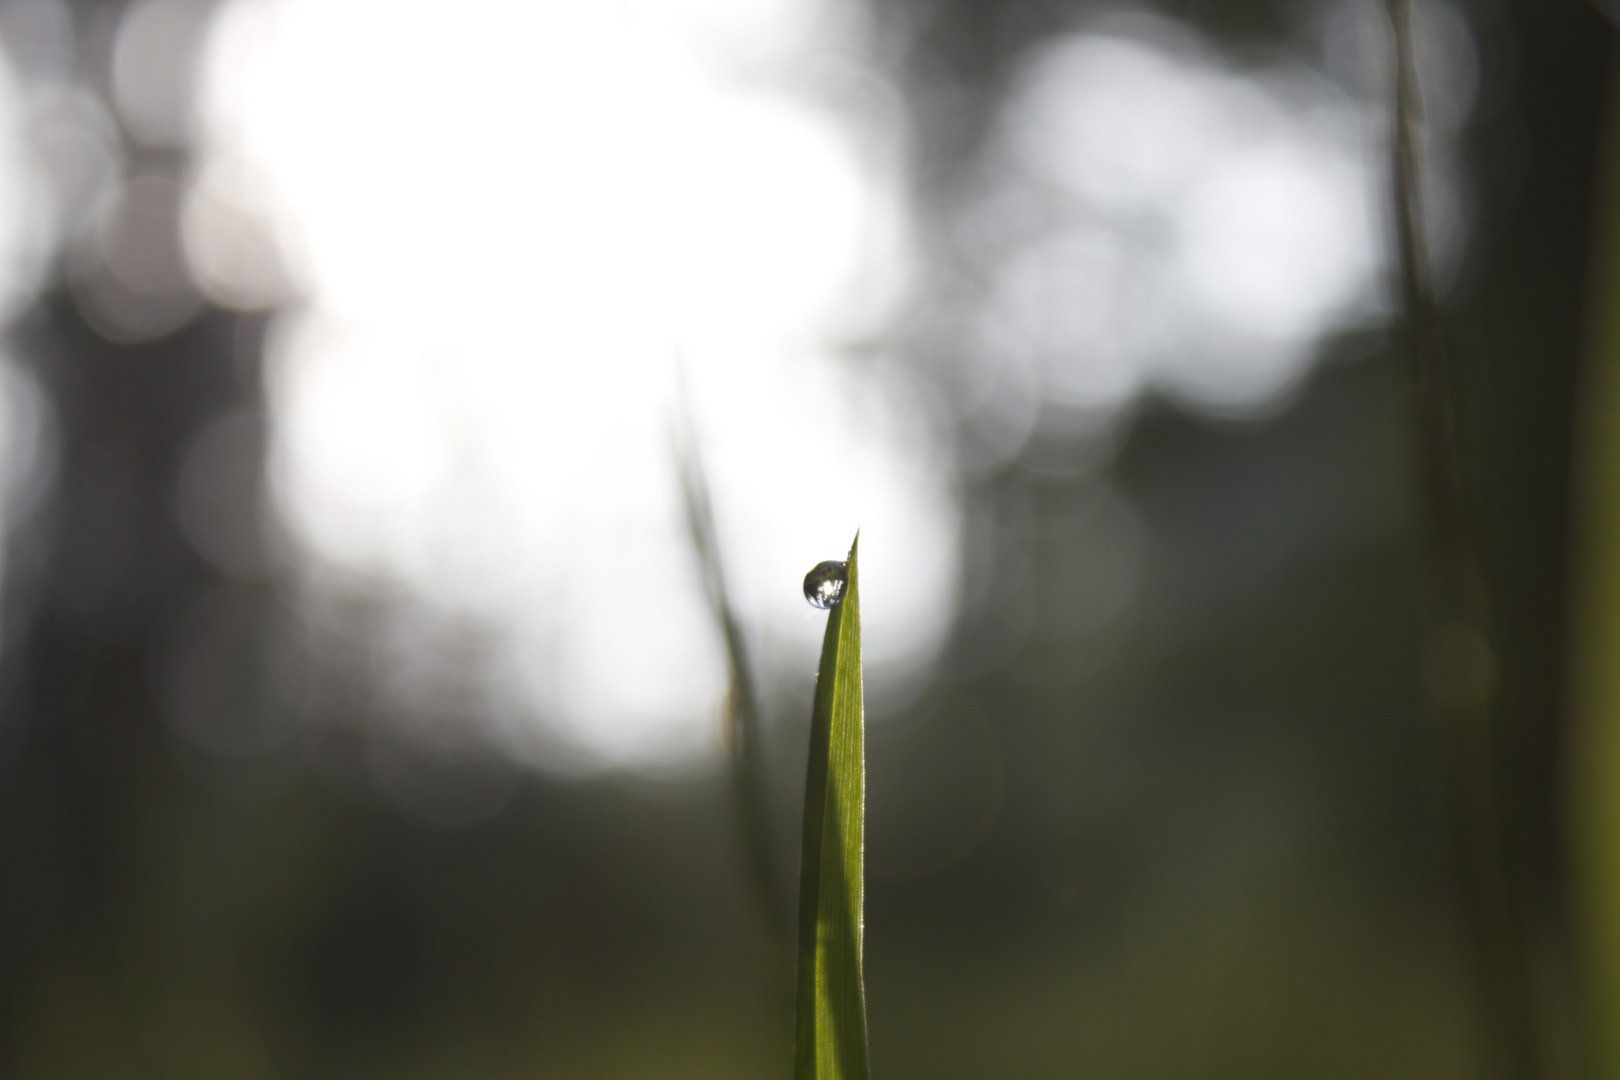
1533 157
95 581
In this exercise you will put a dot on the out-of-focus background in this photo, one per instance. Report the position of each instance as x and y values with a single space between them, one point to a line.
361 705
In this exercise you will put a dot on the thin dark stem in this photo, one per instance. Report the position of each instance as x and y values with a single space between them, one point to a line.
749 789
1459 662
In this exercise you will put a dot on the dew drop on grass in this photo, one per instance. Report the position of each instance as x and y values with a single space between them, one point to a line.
824 584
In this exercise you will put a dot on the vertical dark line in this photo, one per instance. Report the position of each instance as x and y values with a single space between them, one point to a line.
749 790
1458 662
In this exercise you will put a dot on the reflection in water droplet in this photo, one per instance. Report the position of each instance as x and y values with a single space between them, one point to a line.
824 585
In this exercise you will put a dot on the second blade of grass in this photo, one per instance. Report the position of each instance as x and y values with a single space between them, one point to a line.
830 1016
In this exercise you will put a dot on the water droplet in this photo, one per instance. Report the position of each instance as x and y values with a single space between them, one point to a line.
824 585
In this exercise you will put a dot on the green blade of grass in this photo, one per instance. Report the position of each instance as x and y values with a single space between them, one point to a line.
830 1017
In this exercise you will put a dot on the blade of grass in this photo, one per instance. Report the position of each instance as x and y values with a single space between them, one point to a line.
749 789
830 1017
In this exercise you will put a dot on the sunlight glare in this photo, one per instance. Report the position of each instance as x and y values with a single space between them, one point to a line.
503 221
1162 220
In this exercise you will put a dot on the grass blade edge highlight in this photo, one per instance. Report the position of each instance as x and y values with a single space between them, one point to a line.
830 1013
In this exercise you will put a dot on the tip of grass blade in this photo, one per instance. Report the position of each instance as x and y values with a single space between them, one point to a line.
830 1014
